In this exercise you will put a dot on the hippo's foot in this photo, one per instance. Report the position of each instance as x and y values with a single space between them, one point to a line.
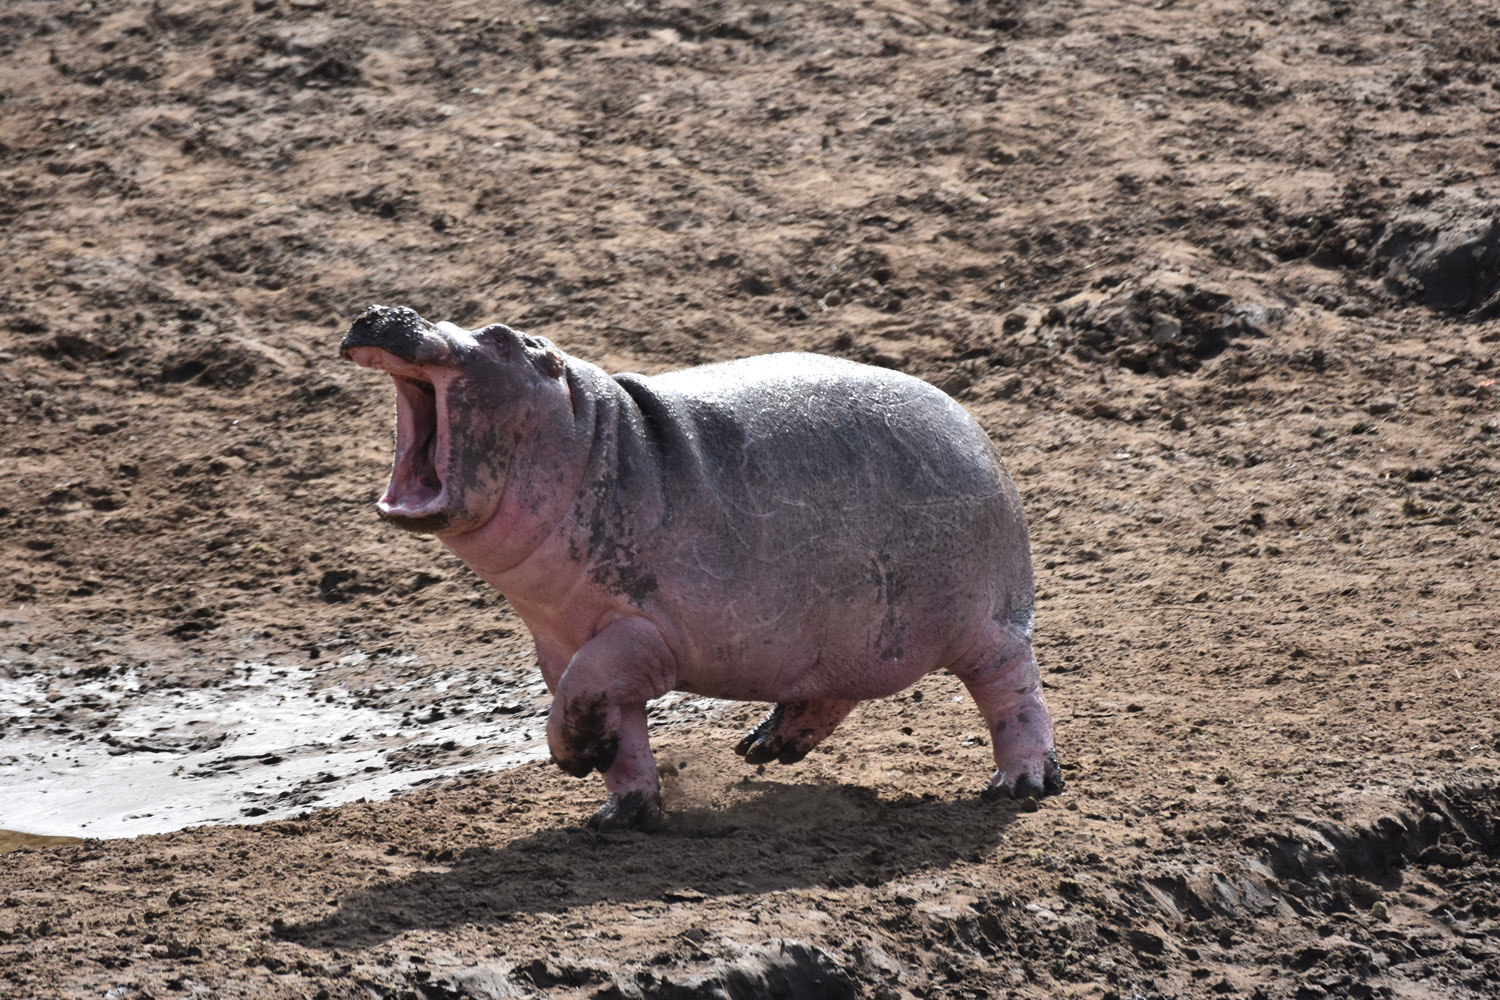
792 729
1007 688
1028 780
764 743
1025 759
635 810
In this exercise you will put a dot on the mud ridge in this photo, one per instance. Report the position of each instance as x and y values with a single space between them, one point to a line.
1447 826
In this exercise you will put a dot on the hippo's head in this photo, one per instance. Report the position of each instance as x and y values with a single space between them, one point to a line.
465 401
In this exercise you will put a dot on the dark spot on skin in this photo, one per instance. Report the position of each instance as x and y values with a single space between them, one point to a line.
1023 719
1023 620
891 589
618 573
613 553
1000 726
636 585
481 448
585 732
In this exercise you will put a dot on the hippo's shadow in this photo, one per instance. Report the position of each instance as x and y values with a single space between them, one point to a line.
784 837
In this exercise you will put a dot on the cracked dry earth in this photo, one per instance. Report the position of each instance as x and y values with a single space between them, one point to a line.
1221 279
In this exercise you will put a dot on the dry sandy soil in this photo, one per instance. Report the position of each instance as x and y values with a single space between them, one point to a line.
1221 279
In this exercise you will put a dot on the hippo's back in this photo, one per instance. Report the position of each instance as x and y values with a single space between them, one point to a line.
806 427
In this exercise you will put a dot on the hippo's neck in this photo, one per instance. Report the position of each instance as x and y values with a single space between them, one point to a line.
540 482
575 495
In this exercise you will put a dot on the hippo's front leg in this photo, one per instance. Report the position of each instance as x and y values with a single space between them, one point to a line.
598 720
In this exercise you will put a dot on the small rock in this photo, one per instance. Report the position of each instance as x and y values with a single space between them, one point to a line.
1166 329
1008 387
1145 942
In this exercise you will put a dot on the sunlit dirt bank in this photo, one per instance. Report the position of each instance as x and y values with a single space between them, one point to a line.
1222 281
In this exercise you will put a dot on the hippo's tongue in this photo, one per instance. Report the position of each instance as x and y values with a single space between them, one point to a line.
416 481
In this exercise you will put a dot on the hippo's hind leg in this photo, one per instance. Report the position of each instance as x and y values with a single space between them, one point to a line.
1008 689
792 729
598 721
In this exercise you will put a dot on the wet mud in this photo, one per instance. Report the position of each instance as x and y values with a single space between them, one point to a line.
1219 279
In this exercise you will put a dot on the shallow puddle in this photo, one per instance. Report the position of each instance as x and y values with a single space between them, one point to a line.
116 756
115 753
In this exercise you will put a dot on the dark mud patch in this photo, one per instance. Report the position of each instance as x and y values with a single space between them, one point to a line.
1447 260
1158 323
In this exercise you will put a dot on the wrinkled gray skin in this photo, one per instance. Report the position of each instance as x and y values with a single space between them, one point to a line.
792 528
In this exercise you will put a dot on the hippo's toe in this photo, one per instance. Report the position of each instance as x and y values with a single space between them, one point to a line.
764 744
1026 784
792 729
629 811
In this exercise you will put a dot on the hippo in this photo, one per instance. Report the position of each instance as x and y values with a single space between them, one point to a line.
791 528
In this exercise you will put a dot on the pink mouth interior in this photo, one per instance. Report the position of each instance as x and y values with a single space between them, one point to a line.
416 485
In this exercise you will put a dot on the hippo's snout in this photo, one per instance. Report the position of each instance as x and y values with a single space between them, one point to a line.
397 330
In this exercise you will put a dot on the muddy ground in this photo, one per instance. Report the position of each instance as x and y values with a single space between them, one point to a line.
1221 279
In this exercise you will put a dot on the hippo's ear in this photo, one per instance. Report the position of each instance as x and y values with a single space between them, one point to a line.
550 361
544 354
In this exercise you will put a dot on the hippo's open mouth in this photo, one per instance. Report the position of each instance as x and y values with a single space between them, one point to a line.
414 496
416 485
